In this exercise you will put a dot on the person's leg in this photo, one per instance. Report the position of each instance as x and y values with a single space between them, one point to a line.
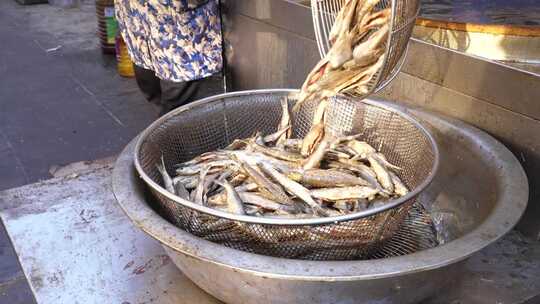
176 94
149 84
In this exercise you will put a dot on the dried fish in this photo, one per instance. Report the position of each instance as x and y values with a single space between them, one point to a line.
361 148
382 174
399 187
196 169
360 205
181 190
382 159
314 160
198 193
344 205
295 188
270 138
167 180
277 153
266 186
321 174
185 179
356 54
292 144
362 170
238 178
254 158
285 123
258 200
247 187
344 193
234 203
312 139
326 178
335 153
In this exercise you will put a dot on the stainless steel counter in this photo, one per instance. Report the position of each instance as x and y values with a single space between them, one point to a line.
270 44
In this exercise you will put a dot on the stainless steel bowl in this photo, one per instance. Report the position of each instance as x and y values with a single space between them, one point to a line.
479 194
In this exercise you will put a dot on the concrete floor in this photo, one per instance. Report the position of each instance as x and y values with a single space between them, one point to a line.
61 101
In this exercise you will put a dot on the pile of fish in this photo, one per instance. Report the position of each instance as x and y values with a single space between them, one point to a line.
358 40
277 176
321 174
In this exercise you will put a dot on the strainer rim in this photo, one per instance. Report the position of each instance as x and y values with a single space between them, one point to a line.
277 221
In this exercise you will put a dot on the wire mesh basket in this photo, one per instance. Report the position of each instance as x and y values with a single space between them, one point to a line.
401 23
215 122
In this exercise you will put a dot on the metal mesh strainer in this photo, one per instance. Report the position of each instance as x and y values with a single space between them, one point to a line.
404 13
214 122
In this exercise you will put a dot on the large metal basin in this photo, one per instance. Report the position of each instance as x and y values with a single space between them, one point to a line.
478 195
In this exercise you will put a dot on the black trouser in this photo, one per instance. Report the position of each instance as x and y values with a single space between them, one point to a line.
167 94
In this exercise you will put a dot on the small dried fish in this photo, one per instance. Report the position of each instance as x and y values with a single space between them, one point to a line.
343 20
293 144
294 188
247 187
382 174
362 170
270 138
335 154
189 181
311 140
266 185
326 178
399 187
377 19
196 169
198 193
341 51
382 159
238 178
255 158
320 111
356 53
363 50
192 184
236 145
360 205
181 190
361 148
277 153
221 197
343 205
234 203
314 160
209 184
344 193
167 180
285 123
258 200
